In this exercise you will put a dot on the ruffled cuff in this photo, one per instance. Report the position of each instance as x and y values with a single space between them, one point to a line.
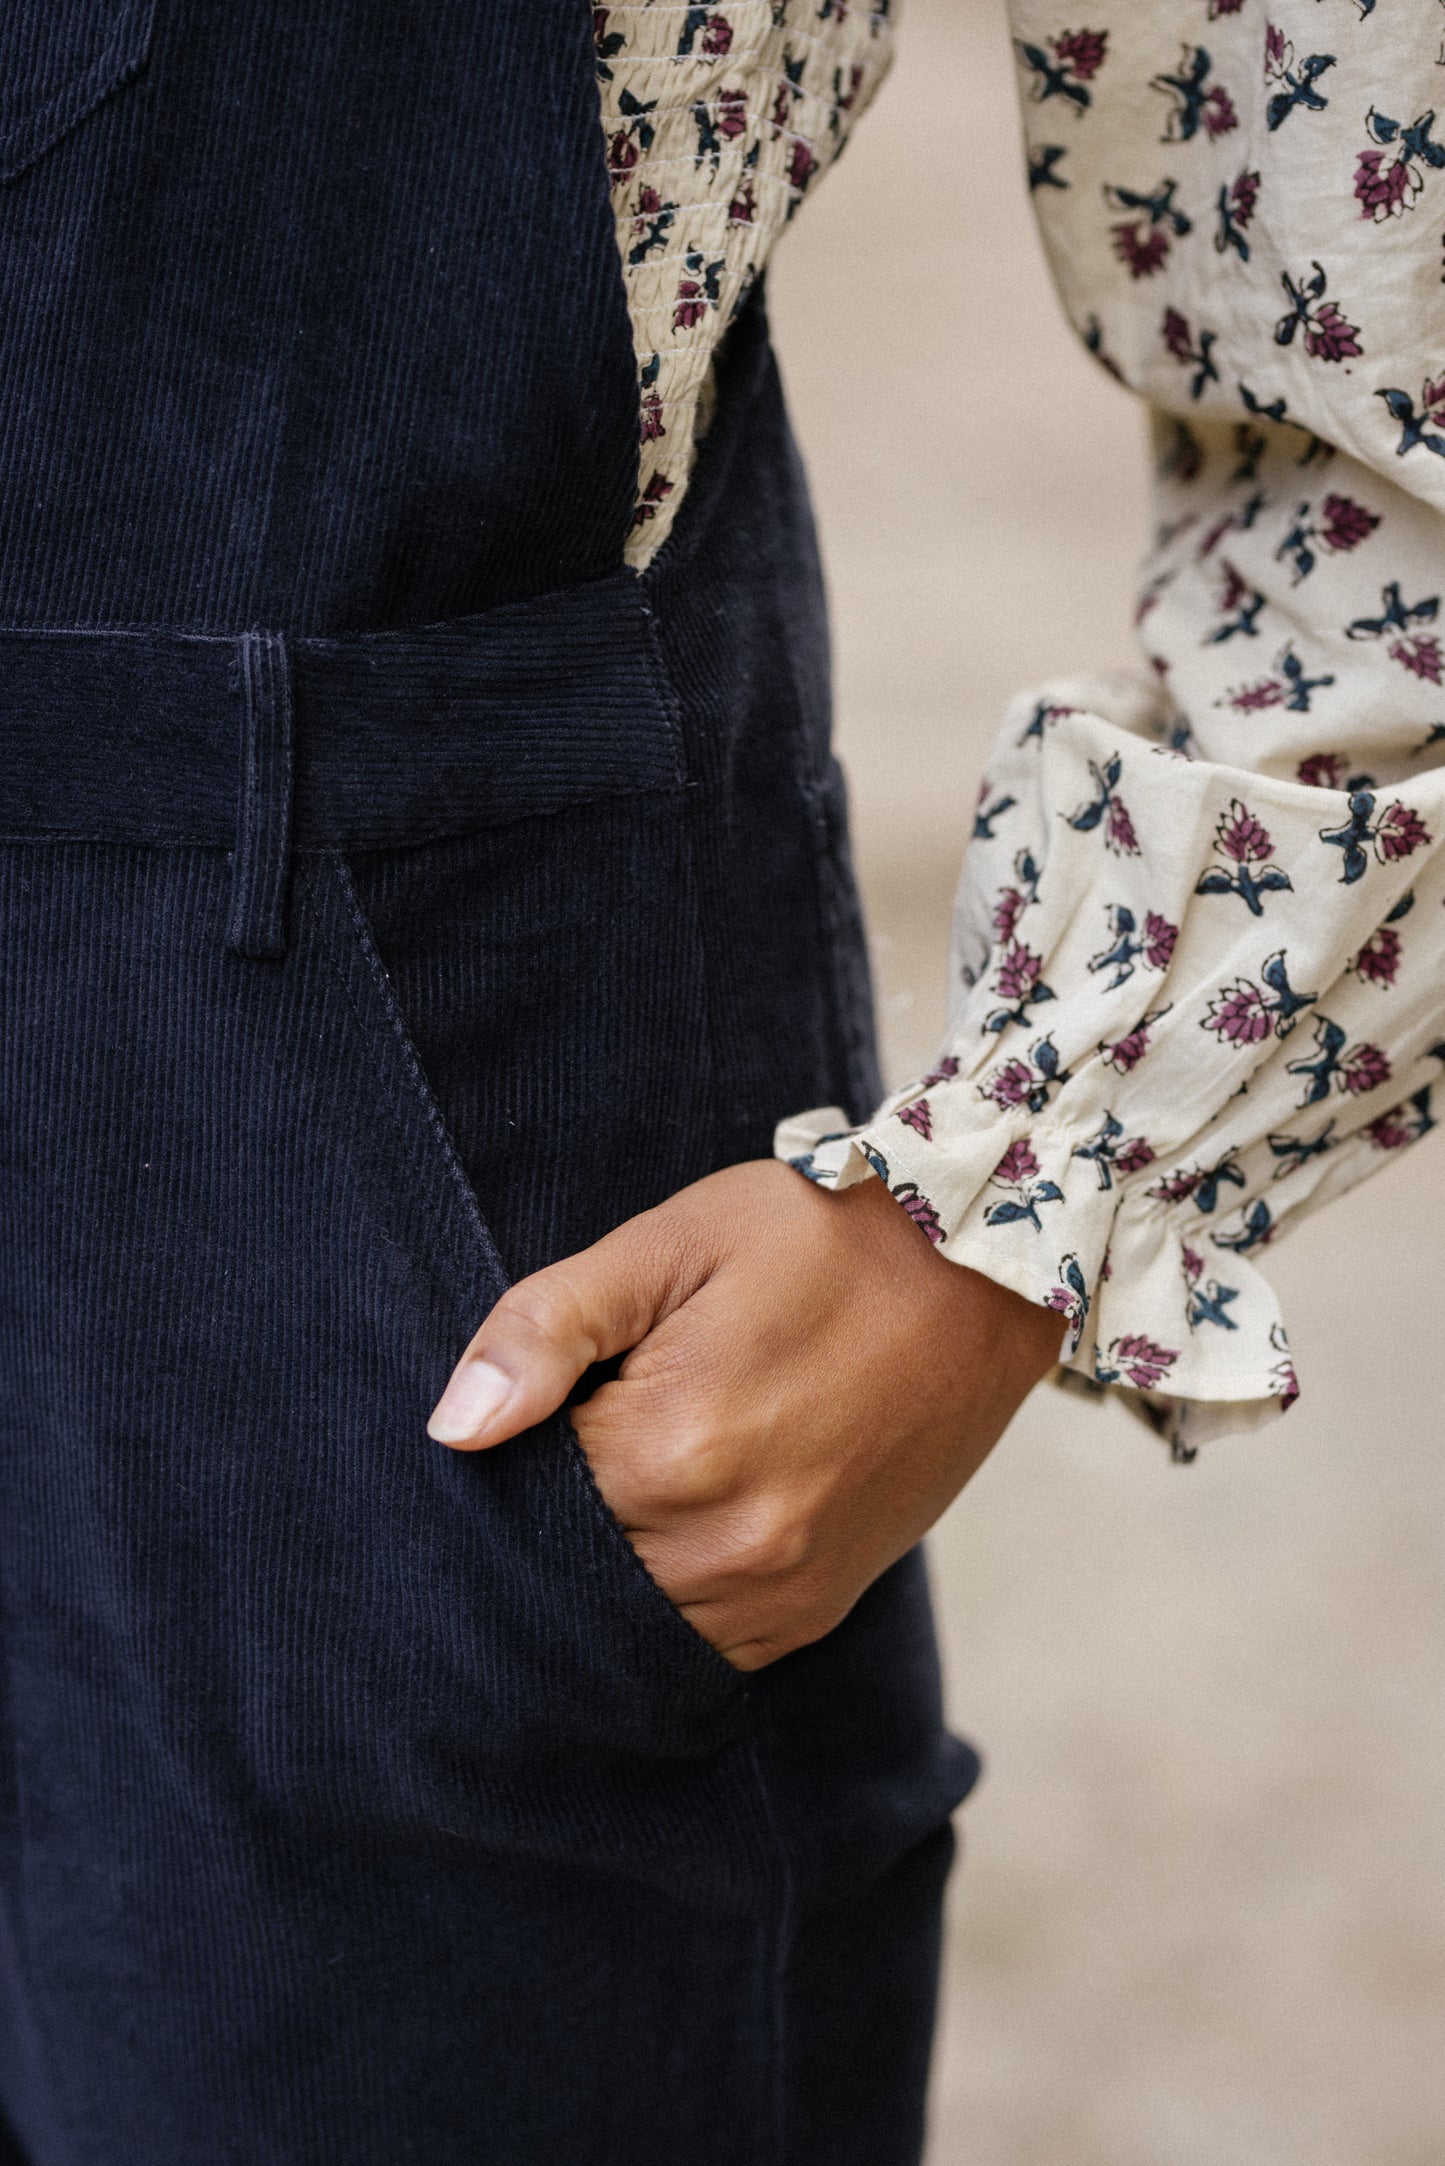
1189 1003
1195 1350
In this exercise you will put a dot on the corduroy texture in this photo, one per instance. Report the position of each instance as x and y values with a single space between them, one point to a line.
361 1801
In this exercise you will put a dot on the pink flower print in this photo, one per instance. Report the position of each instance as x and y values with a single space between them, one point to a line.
1195 102
1345 524
1125 1054
1119 835
1011 1084
1081 52
704 27
1175 333
1331 336
918 1117
1400 833
1364 1068
1018 972
1155 944
1019 985
1223 7
1159 939
651 414
1142 249
1217 112
1133 1156
731 118
1142 239
1241 836
945 1072
1030 1082
1192 1260
920 1210
1017 1164
1328 335
1397 833
1254 698
743 209
1007 911
802 164
1245 1013
1141 1360
1379 959
1419 652
658 489
1384 187
622 156
1108 808
1354 1070
1247 843
699 291
1243 196
1277 52
1322 771
1016 1170
1239 1013
1293 688
1432 401
1402 1125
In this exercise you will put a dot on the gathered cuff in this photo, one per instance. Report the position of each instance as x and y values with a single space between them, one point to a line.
1194 1347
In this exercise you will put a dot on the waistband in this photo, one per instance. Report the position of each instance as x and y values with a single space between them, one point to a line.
265 745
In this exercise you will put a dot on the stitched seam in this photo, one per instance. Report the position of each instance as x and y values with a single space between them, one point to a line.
420 1089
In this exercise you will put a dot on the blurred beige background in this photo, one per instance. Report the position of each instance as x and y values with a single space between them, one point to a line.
1201 1918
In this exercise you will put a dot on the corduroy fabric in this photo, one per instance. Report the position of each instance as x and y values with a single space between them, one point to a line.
361 1801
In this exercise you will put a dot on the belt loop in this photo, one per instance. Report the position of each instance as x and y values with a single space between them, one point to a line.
257 923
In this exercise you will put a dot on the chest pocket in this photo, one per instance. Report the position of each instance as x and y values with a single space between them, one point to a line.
59 60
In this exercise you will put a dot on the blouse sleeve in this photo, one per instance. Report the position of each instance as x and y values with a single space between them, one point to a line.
1192 1002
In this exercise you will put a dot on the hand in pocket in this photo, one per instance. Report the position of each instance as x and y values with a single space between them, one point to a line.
807 1385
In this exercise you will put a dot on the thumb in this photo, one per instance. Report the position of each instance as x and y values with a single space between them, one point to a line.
547 1330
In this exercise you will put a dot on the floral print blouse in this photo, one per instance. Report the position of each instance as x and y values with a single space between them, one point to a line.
718 121
1199 950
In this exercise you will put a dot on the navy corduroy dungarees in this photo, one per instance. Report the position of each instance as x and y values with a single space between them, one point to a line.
396 892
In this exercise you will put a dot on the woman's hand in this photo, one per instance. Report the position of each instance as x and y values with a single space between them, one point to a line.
809 1385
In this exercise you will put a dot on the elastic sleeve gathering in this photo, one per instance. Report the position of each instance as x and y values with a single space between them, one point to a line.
1190 1003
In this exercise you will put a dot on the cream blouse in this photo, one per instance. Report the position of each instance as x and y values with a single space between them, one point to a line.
1199 950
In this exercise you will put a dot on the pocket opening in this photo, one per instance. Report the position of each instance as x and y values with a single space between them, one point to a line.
336 909
62 60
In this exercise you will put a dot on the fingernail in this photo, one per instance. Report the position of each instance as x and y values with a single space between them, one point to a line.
475 1395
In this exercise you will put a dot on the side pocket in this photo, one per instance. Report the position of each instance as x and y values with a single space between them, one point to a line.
653 1643
59 61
